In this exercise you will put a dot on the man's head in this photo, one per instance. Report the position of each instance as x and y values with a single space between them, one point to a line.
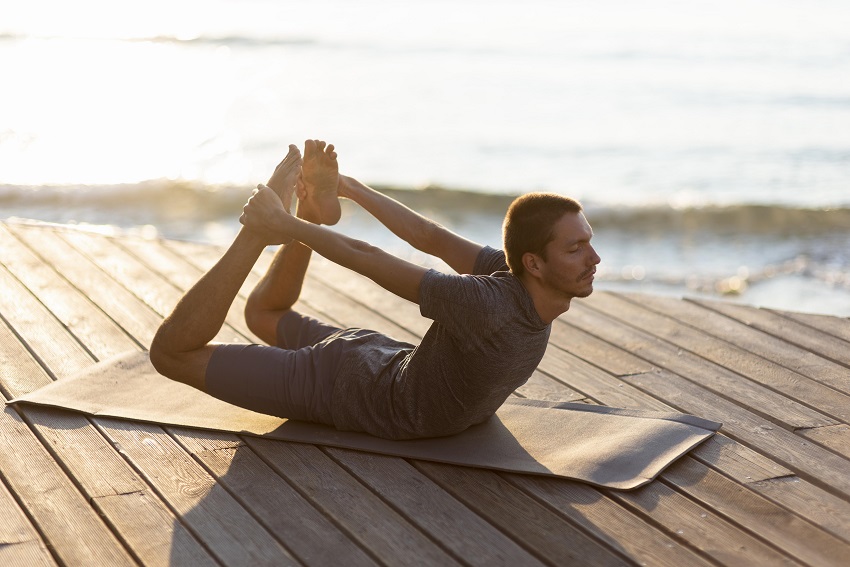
529 225
547 245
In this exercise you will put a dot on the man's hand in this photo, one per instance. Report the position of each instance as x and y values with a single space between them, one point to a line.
265 216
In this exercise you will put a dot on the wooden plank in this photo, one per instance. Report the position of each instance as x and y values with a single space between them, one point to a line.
812 340
835 437
27 315
426 505
210 538
182 274
100 472
605 519
803 540
728 456
726 354
146 285
835 326
310 536
544 532
139 322
370 295
71 308
808 460
775 469
776 349
228 530
209 531
316 294
619 361
20 543
773 465
149 465
123 268
205 257
825 510
700 526
21 372
755 397
196 259
744 468
71 528
737 461
595 383
138 515
366 518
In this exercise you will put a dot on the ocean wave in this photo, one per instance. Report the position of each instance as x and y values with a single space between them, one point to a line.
163 199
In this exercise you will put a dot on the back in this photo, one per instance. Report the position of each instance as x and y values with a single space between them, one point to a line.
486 340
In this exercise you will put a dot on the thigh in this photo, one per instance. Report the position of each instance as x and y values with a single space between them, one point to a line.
293 384
295 331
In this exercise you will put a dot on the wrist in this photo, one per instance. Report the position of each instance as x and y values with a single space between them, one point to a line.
252 238
349 188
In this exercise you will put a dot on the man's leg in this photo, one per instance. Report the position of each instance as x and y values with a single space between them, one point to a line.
279 289
180 349
321 179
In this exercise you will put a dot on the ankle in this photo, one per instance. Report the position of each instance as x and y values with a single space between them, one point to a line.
308 213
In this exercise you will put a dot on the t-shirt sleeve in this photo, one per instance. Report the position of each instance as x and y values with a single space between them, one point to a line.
464 305
489 261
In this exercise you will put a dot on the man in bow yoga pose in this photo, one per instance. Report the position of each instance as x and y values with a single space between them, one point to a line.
491 320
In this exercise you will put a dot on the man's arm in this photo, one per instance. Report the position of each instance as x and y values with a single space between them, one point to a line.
265 215
420 232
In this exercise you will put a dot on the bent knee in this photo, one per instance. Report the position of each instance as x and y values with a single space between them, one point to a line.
162 358
263 322
186 367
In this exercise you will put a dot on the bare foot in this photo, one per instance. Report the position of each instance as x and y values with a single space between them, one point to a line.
321 179
283 179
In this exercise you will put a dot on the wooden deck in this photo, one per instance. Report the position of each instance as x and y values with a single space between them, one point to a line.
773 488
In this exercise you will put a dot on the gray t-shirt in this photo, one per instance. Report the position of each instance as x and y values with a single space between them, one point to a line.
486 340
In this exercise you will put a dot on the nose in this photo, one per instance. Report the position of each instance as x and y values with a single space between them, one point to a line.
594 257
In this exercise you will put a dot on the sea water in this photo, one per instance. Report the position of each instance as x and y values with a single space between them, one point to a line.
708 141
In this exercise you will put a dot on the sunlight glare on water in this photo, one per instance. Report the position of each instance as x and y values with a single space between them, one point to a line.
100 111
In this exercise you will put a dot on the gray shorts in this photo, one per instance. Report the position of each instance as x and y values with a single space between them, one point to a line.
293 380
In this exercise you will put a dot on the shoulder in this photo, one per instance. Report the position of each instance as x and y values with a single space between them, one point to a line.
489 261
469 291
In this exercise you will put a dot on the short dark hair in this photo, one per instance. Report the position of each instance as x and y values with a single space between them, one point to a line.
529 225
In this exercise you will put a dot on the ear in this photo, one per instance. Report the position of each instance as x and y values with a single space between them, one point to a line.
532 263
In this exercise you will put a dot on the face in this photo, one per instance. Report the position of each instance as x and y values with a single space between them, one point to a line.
570 259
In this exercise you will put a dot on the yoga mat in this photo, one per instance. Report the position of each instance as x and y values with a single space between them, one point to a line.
603 446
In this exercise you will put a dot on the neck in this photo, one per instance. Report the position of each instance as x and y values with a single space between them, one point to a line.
548 306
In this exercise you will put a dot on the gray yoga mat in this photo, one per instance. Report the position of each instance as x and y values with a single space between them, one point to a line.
603 446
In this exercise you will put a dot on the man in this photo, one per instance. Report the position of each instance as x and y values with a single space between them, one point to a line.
491 320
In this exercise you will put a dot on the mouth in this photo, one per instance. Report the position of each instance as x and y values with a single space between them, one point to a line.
588 275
